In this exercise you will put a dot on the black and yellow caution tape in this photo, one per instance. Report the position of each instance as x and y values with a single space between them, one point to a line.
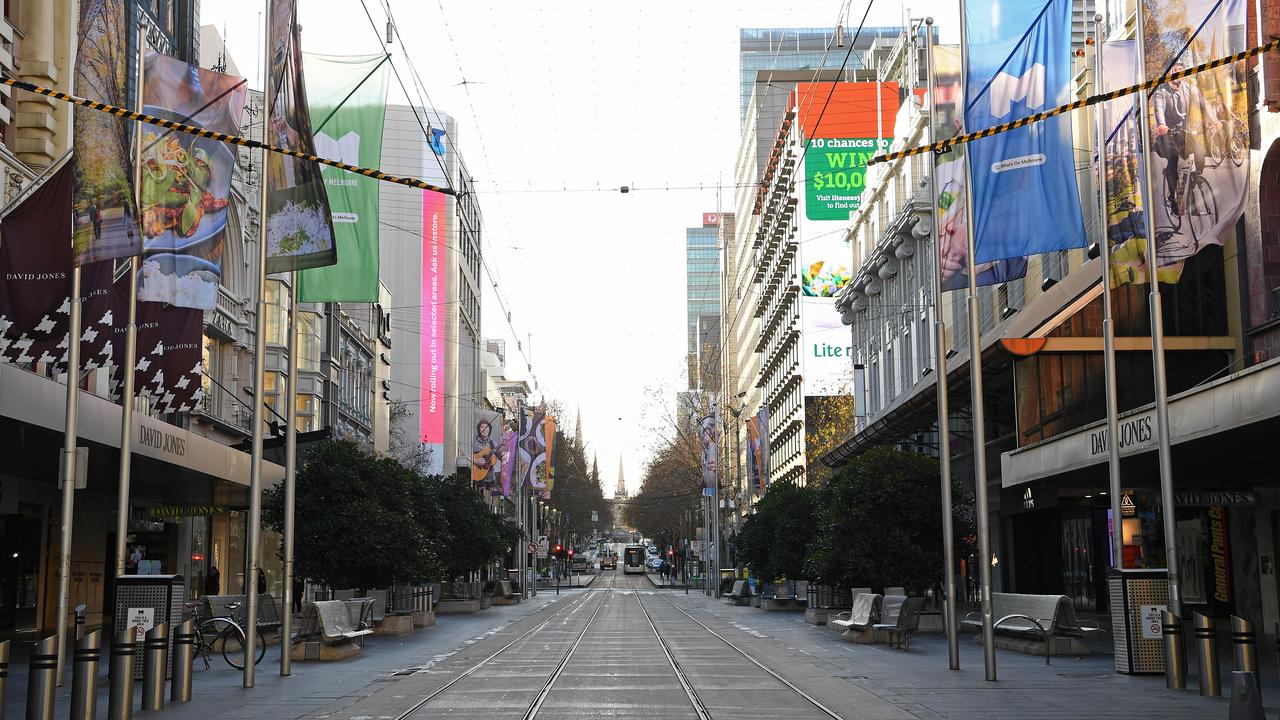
943 146
220 137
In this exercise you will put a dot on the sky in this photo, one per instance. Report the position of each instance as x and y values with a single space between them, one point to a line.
559 104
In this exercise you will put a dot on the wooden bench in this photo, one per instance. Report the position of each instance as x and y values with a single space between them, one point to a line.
1040 617
864 614
898 632
741 593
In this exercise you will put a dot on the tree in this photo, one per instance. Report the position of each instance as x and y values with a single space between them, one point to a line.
774 541
471 536
828 421
358 525
878 522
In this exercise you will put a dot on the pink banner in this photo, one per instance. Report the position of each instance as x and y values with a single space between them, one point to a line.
434 317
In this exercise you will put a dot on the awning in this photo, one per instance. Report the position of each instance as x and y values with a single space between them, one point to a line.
1235 401
31 398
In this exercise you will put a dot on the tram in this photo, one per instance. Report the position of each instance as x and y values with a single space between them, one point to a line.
633 557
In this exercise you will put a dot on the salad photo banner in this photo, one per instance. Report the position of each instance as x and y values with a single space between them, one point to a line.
103 221
186 182
348 106
299 228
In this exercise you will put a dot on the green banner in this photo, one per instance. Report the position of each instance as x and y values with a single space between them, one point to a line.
835 174
348 96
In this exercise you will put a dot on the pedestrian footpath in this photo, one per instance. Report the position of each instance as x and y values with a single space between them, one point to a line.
217 693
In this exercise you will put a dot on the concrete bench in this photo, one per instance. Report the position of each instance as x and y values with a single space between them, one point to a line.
1044 618
327 633
858 621
898 632
740 594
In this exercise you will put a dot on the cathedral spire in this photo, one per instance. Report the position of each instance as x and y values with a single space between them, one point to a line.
577 430
622 485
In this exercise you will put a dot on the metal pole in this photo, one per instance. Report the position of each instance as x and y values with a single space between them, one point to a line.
84 677
130 334
978 411
155 666
120 699
254 533
290 485
1175 661
1243 645
1157 341
1108 329
940 370
1207 655
184 655
42 666
68 471
4 673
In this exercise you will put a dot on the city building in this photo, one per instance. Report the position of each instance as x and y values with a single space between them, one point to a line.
1041 357
702 301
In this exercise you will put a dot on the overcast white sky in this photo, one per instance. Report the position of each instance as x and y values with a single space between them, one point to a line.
565 96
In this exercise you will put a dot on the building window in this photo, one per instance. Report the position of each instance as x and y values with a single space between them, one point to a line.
308 407
277 309
273 385
309 340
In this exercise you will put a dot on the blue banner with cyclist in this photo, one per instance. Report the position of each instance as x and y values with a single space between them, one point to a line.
1198 127
1024 195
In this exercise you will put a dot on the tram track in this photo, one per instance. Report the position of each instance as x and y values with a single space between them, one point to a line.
812 701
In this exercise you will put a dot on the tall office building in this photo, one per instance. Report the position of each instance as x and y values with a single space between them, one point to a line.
702 267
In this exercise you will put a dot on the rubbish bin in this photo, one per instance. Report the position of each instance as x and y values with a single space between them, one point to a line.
1138 597
144 601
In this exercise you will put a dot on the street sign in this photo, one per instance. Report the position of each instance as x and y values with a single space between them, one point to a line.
544 547
696 547
533 547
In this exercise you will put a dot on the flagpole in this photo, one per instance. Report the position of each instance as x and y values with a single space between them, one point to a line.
1108 329
1157 340
940 370
254 532
290 483
68 469
130 335
975 371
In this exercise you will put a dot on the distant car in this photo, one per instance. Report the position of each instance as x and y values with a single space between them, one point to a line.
654 562
608 561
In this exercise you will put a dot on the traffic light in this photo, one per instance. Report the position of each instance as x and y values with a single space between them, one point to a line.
559 551
671 552
570 553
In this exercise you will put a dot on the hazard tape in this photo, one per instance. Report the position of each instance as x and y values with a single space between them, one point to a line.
220 137
944 146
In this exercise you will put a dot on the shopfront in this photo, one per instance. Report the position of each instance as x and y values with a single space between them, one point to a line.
1226 500
188 497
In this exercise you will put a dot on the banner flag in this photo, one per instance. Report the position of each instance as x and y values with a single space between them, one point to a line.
762 449
709 440
1198 129
169 368
753 451
103 219
1024 193
953 237
510 451
299 228
549 468
186 182
348 98
486 448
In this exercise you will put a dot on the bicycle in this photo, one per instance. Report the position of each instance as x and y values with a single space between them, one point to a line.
1230 141
1194 201
224 634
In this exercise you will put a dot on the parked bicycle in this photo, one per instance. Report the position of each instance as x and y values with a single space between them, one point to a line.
225 634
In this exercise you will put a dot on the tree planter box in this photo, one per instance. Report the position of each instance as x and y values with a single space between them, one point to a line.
394 625
423 618
324 652
448 607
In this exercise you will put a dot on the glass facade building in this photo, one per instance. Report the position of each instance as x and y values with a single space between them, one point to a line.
702 267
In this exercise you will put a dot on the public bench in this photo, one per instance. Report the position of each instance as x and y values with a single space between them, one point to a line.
1044 619
783 597
859 619
221 606
899 626
741 593
327 632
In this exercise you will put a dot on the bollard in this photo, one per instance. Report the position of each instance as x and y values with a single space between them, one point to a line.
155 665
1175 663
80 620
1246 698
1244 645
184 655
1206 655
120 699
84 677
40 679
4 673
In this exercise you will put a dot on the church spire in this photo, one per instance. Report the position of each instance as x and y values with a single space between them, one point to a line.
577 430
622 485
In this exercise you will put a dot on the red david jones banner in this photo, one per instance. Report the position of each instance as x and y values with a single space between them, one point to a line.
435 316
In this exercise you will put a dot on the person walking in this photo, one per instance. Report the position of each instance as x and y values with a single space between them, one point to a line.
95 216
213 581
262 582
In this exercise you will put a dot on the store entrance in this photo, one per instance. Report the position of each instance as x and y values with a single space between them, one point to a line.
19 569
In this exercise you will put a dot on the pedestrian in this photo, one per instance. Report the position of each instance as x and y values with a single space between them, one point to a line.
262 582
299 589
213 581
95 216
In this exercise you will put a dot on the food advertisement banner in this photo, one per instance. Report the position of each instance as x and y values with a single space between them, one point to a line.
299 229
186 182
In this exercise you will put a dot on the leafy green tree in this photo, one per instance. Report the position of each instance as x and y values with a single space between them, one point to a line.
878 522
472 536
774 541
357 525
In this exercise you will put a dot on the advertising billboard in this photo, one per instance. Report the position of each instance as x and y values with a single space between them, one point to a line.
435 317
839 140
